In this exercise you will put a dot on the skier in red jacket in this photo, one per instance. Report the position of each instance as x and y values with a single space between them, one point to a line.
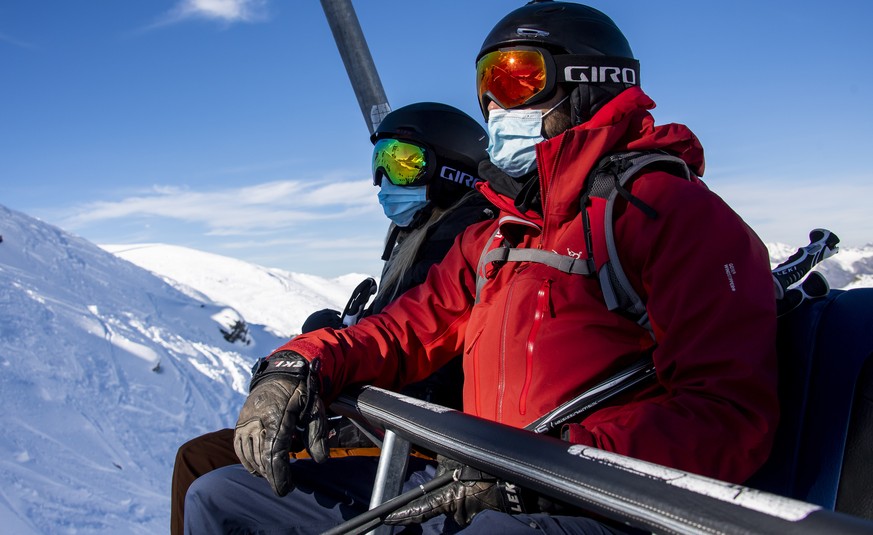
559 87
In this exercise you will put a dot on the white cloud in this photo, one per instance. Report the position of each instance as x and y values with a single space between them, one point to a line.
328 226
787 214
226 11
361 247
258 209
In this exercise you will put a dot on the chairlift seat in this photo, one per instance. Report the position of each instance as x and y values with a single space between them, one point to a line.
825 436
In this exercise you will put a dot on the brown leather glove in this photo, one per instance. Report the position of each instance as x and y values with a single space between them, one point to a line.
472 491
283 408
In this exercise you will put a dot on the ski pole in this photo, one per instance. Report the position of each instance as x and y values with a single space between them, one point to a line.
822 244
372 518
360 295
591 398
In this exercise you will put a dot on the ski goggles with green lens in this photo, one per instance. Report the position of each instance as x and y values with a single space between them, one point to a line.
524 75
404 163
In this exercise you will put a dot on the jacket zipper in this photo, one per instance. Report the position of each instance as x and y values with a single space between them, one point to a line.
544 190
474 354
541 310
501 371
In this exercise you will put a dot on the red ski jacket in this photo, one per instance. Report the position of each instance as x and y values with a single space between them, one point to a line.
538 336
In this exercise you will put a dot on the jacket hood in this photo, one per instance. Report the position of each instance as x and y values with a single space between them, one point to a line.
624 124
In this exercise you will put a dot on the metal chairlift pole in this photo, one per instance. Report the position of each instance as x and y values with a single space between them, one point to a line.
374 106
357 59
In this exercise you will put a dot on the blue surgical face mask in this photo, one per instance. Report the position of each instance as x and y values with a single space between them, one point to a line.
401 203
512 139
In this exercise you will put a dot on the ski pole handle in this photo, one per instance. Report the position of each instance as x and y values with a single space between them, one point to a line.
360 295
822 244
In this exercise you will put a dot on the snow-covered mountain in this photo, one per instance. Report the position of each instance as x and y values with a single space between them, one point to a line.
278 299
105 369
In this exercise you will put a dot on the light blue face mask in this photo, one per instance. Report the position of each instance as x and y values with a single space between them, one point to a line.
401 203
512 139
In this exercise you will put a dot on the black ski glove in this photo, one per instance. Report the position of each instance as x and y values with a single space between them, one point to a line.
472 491
283 407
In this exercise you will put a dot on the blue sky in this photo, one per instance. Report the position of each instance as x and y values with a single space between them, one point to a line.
230 125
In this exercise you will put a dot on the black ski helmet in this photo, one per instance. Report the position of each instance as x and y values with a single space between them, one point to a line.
456 140
568 29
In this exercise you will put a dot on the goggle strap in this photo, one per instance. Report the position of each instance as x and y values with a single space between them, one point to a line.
452 171
597 69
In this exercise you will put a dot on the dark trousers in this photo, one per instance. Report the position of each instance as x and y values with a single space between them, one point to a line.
195 458
230 500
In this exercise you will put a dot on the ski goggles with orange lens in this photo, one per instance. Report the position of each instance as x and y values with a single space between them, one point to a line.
402 162
523 76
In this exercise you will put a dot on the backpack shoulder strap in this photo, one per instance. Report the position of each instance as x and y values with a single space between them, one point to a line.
607 181
567 264
496 239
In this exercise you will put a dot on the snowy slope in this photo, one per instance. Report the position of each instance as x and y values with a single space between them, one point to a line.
105 369
276 298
